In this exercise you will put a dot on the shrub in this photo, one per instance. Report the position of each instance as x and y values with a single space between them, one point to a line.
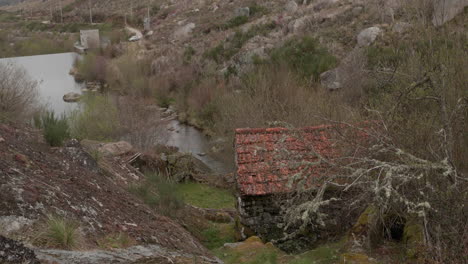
97 119
223 52
159 193
130 76
62 233
305 56
55 129
256 9
18 93
92 67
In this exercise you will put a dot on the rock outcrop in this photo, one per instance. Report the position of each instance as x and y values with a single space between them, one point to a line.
64 181
368 36
446 10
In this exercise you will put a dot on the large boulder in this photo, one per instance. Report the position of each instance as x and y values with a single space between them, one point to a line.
445 11
116 148
71 97
185 167
368 36
299 25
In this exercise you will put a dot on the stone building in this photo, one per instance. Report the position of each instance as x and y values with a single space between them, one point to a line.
89 39
268 161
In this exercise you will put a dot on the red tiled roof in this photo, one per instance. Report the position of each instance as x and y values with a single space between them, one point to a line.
267 158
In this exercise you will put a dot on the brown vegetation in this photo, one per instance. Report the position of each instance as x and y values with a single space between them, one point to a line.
18 93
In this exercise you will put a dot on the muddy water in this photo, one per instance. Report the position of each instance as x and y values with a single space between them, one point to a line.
51 72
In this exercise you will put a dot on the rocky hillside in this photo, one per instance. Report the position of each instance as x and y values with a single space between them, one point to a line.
37 181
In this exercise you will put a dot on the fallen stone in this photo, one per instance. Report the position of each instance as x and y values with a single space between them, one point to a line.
116 148
71 97
2 140
368 36
330 80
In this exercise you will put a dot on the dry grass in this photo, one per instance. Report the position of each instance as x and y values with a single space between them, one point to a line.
59 232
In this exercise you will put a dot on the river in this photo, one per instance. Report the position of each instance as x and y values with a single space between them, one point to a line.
52 73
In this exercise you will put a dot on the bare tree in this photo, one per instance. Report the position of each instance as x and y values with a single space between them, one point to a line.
18 93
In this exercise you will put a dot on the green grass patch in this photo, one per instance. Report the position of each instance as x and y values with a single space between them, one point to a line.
205 196
217 235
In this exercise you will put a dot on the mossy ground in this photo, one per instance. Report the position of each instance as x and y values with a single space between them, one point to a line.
205 196
253 251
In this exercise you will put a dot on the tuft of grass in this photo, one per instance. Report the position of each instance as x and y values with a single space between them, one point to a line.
119 240
61 232
55 129
205 196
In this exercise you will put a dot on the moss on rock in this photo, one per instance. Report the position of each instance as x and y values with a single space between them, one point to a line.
356 258
413 236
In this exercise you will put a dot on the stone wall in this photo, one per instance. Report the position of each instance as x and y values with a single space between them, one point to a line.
262 214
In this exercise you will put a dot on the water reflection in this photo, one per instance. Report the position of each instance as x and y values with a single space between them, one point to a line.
51 72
